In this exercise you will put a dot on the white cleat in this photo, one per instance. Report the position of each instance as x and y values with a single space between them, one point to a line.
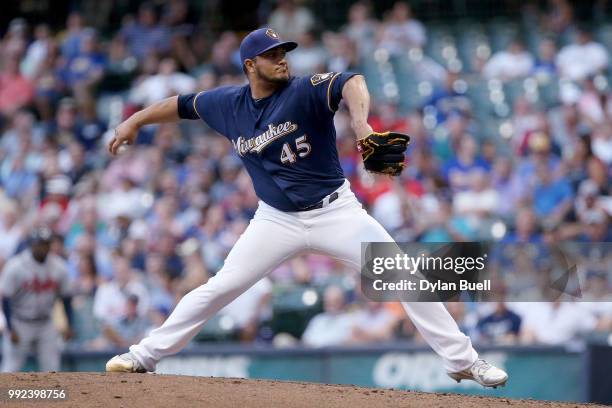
483 373
124 363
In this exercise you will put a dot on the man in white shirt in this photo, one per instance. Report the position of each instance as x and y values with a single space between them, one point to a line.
515 62
582 59
332 327
555 323
165 83
110 301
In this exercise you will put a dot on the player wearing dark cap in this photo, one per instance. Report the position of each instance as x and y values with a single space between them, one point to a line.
282 129
30 283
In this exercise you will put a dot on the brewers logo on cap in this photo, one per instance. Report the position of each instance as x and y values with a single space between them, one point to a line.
272 34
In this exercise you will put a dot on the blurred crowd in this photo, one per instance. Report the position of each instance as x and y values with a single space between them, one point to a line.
140 231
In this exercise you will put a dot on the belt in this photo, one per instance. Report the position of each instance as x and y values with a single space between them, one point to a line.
323 203
32 319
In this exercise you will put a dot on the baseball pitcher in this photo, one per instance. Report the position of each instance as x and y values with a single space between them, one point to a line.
282 128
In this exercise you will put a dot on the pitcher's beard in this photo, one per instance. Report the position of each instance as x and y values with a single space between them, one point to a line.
274 80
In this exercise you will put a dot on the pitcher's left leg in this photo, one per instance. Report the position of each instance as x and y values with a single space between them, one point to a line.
341 233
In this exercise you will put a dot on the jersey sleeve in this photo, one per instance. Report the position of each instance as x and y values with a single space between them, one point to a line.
186 107
327 88
213 108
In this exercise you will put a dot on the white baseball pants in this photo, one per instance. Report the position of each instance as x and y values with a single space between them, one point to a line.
274 236
41 336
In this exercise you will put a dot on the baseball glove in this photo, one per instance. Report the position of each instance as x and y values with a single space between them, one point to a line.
384 152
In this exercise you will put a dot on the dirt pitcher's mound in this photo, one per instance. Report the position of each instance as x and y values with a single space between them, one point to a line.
147 390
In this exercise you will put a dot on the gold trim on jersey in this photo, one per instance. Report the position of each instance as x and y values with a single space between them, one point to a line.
195 98
331 81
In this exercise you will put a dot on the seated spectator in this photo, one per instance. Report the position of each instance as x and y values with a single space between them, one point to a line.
332 327
309 57
507 186
23 135
84 71
559 16
514 62
110 301
552 199
291 20
446 100
583 58
500 327
130 329
16 90
145 36
461 170
37 51
12 229
401 31
525 227
248 310
167 82
385 117
361 27
555 323
479 200
373 323
342 52
73 35
545 67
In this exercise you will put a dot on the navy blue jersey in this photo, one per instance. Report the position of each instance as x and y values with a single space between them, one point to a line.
287 141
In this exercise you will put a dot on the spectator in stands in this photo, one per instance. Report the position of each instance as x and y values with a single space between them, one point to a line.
167 82
525 227
461 170
446 100
342 53
16 90
145 35
11 230
559 16
291 20
87 328
555 323
110 302
332 327
507 186
222 59
73 36
401 31
22 136
514 62
500 327
84 70
544 66
583 58
309 58
250 309
479 201
374 323
37 51
361 27
130 328
552 199
601 143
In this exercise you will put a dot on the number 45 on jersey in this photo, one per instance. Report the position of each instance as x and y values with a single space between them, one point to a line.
302 147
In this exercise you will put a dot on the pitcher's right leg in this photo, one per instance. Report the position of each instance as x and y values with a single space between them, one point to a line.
268 240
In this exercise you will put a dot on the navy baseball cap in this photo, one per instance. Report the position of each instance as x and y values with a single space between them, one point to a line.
260 41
